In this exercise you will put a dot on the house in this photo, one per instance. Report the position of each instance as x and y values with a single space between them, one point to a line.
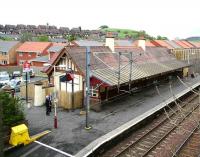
8 52
31 50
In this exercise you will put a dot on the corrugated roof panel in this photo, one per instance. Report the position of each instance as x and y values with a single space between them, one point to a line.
188 44
197 44
173 44
164 44
181 44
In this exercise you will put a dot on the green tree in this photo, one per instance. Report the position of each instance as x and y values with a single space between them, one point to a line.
26 37
71 38
43 38
6 39
103 27
12 109
161 38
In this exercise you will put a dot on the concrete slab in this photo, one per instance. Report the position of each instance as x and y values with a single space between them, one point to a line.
71 137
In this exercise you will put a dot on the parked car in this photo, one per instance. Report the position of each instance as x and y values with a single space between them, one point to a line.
4 78
16 74
15 84
31 73
4 73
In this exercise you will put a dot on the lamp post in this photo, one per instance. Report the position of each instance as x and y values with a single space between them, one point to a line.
54 90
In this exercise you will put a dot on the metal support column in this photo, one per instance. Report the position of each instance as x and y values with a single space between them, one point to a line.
131 66
1 129
87 105
119 71
26 88
55 99
72 94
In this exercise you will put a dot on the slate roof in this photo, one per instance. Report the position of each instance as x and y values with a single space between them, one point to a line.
5 46
40 59
119 43
56 48
38 47
88 43
59 40
140 71
152 62
78 55
104 63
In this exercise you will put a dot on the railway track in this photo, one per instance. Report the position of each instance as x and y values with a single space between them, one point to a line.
162 137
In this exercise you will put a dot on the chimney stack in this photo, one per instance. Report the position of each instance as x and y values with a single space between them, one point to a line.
110 41
142 43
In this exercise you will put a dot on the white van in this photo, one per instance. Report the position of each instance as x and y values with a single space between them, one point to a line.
4 79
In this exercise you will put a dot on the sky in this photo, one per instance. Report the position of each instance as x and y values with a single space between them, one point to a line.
171 18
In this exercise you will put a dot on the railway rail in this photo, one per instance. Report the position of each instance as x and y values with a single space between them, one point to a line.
164 136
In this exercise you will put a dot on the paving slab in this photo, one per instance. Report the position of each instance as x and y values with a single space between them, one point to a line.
71 137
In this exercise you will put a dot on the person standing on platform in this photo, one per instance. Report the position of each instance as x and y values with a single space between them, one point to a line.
47 104
50 102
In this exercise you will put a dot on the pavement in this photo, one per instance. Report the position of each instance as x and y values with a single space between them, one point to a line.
71 137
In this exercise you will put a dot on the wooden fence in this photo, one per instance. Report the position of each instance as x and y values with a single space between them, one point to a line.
65 99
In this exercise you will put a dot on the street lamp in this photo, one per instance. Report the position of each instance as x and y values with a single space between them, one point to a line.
54 90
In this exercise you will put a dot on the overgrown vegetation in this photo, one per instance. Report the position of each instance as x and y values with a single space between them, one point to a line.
12 109
131 34
26 37
43 38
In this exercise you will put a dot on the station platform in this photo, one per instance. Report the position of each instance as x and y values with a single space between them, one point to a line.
115 118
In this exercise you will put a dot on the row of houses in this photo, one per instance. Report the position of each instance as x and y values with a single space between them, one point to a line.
45 29
13 52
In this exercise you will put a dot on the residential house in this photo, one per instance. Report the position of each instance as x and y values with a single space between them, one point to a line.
31 50
8 52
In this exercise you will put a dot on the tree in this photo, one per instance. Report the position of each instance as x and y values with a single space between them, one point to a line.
161 38
26 37
12 109
71 38
103 27
43 38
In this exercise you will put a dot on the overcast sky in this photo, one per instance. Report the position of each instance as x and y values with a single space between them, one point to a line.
171 18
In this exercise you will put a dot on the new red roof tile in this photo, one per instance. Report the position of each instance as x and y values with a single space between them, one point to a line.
162 43
38 47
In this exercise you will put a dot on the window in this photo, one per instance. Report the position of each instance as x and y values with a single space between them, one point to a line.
29 54
21 62
4 53
4 62
20 54
94 91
